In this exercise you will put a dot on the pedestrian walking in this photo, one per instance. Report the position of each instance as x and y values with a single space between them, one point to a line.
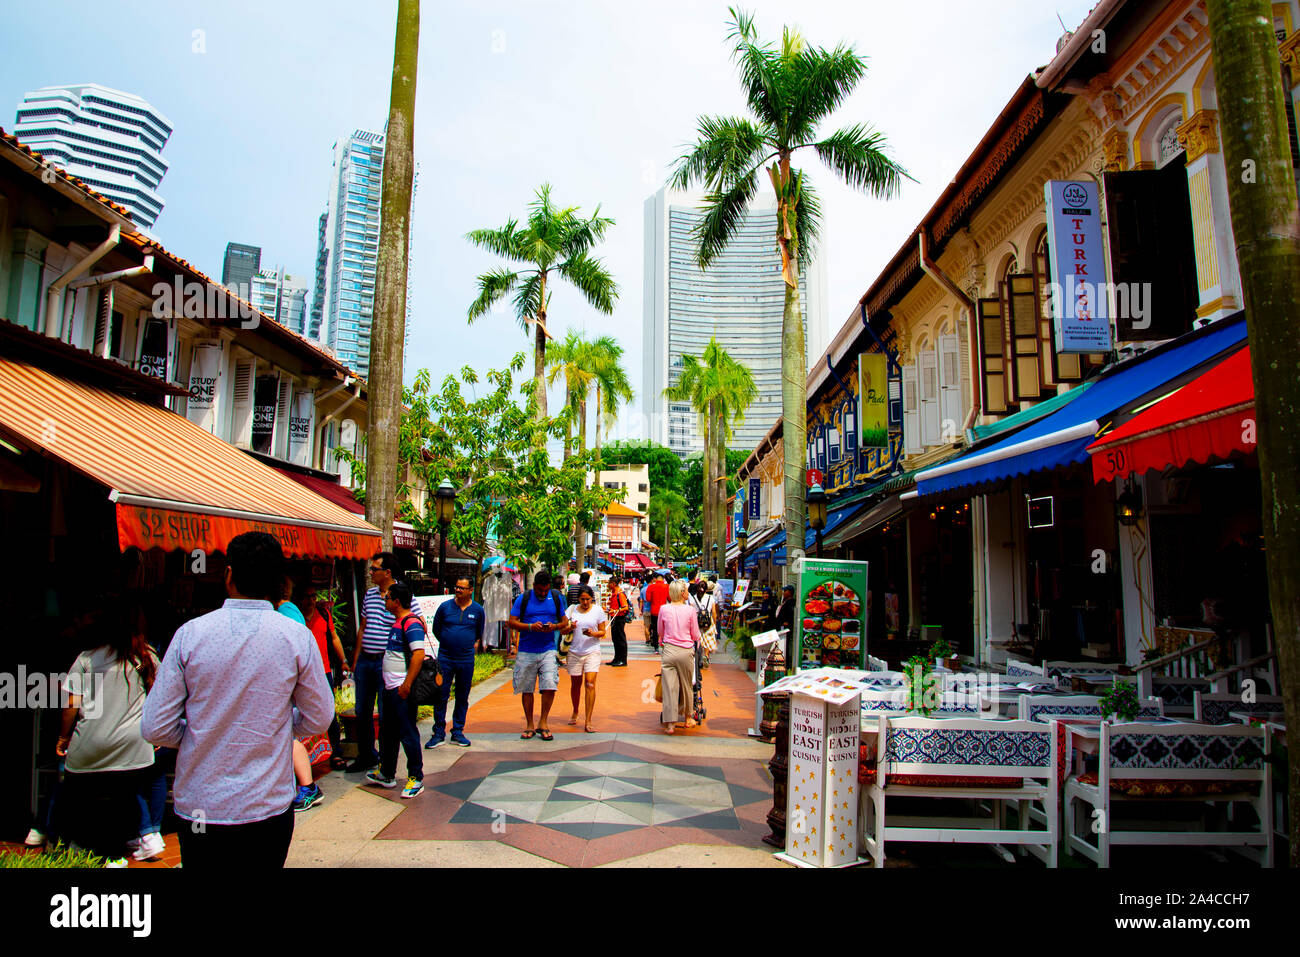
458 625
403 657
583 663
320 622
656 594
234 688
106 761
537 615
679 631
620 610
575 582
373 630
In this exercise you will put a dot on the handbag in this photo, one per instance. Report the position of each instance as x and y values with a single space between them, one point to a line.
659 688
425 687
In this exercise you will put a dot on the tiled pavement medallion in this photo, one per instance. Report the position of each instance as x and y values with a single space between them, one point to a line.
593 804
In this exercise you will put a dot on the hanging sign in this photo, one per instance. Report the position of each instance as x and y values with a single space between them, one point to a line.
300 418
873 401
205 369
265 399
1079 287
831 622
755 492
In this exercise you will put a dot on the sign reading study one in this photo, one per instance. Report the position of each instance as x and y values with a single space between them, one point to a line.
1080 307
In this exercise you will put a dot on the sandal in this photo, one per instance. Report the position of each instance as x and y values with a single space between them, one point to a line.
545 735
338 763
527 734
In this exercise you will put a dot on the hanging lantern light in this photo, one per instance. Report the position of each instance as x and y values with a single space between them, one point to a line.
1128 507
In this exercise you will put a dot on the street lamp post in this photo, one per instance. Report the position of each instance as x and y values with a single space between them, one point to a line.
817 513
445 497
715 556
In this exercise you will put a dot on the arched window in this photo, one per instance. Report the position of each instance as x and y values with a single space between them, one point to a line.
1166 140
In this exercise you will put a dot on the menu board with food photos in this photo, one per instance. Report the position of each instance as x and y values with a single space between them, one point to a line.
831 621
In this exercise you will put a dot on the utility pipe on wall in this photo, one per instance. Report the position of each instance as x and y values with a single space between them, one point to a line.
53 296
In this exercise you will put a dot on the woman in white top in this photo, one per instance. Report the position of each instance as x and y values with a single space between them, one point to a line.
701 601
583 662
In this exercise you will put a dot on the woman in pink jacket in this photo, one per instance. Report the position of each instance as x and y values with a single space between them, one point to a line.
678 633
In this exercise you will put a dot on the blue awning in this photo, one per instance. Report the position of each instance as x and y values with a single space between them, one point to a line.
775 548
1062 437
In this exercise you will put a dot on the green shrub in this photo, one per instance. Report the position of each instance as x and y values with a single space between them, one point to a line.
58 856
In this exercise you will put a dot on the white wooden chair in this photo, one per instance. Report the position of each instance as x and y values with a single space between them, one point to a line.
963 758
1178 694
1057 670
1024 671
1068 707
1218 708
876 664
1154 765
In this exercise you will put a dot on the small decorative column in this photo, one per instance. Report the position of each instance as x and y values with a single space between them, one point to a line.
780 768
1207 184
25 271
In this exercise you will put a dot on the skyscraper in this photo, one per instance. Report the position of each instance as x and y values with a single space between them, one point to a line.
740 299
282 297
240 265
110 140
348 251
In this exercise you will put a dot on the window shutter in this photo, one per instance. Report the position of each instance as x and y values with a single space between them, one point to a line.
963 363
895 399
103 319
280 444
911 411
1020 304
833 444
950 407
927 366
850 430
241 425
992 356
1066 366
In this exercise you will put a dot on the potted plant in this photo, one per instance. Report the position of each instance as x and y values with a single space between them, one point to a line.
944 655
919 682
1121 701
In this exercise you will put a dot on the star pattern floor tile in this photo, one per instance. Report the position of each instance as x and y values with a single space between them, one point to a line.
590 804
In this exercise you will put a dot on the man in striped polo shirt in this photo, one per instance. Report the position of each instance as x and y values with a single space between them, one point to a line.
368 657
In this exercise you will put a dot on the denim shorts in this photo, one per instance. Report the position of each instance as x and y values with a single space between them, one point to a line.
539 668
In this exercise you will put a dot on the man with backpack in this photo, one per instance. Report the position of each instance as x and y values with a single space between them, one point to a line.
537 617
403 658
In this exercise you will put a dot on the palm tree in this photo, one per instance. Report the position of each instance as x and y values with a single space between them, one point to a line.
1254 125
384 409
570 360
554 243
668 510
720 389
789 90
612 389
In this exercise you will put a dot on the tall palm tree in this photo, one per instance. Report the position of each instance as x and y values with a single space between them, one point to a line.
668 510
388 339
720 389
1253 120
554 243
570 361
789 90
612 389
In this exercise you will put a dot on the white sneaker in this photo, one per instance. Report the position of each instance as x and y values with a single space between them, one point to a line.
115 862
34 838
150 846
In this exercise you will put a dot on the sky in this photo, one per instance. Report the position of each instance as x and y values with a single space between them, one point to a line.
596 98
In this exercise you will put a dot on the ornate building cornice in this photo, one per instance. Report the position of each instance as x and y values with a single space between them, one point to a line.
1199 134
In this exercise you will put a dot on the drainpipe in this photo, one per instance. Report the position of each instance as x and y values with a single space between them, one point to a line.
320 429
931 269
53 300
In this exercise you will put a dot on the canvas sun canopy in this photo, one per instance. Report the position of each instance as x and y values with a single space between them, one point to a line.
174 485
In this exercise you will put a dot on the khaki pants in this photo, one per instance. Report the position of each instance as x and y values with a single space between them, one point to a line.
678 675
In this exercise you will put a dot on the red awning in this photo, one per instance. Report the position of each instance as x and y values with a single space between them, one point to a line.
638 562
1212 418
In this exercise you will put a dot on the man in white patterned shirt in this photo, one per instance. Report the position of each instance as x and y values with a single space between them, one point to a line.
234 688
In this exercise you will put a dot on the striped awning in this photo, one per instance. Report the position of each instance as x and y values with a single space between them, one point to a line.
174 484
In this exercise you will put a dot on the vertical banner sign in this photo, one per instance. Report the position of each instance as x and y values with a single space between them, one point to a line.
265 398
755 491
873 401
205 366
1080 303
822 803
300 427
153 348
831 620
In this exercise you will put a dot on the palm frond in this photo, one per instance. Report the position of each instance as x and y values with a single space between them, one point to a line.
528 299
503 242
723 211
727 149
590 277
581 234
758 66
807 219
823 80
857 154
493 286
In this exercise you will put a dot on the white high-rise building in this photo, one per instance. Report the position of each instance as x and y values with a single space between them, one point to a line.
740 299
348 251
281 296
110 140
